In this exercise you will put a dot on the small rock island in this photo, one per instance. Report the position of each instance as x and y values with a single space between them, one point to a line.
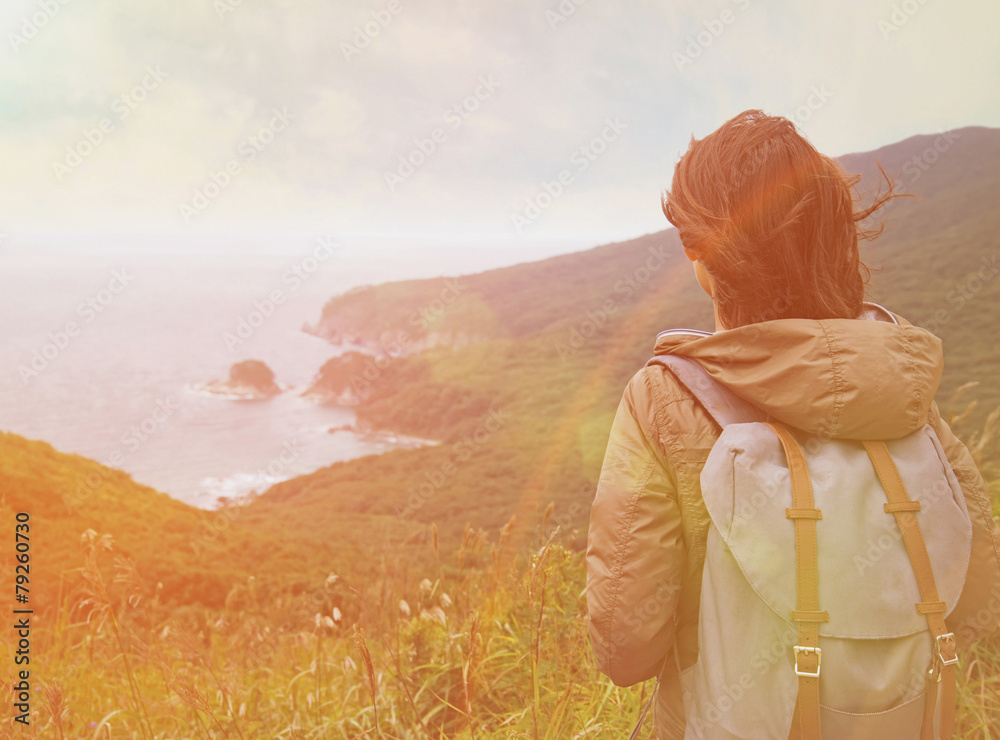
248 380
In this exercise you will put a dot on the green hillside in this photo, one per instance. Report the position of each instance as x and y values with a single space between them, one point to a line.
940 254
523 404
195 556
509 302
568 332
438 592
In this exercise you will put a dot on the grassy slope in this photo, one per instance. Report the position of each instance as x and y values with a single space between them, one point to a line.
258 664
559 407
930 245
934 244
197 556
555 413
554 404
508 302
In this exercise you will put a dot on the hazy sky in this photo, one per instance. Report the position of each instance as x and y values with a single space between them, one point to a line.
202 116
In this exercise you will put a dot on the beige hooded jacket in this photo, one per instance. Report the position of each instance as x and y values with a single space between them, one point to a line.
841 378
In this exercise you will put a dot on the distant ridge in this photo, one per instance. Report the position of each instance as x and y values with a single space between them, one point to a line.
557 339
522 404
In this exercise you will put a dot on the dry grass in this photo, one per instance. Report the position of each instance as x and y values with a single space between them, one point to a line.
486 644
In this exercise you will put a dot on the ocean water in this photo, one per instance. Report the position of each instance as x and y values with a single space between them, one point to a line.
105 345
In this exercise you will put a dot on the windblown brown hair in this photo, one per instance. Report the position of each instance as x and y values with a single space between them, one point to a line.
773 221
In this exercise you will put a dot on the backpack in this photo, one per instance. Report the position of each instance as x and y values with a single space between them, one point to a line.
830 567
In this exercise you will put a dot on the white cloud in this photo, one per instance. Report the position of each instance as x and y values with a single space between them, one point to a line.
354 119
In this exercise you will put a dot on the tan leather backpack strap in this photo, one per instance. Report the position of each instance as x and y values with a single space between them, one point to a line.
943 648
808 655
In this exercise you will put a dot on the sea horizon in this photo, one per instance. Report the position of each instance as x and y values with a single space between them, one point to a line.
111 360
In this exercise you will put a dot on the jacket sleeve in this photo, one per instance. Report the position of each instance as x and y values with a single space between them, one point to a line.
978 610
635 547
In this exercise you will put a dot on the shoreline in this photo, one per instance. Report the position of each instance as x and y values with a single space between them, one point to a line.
407 441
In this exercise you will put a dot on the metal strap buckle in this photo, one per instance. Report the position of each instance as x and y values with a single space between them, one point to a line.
950 639
818 652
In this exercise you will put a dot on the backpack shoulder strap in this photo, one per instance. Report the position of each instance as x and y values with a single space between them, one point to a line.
944 648
724 406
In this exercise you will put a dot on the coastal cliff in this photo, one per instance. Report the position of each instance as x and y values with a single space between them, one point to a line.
342 380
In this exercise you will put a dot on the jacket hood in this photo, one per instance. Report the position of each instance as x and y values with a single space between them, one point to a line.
868 378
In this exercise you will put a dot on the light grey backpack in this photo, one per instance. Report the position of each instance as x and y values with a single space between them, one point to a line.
830 568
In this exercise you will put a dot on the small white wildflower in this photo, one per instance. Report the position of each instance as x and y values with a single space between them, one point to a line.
404 607
337 616
435 614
